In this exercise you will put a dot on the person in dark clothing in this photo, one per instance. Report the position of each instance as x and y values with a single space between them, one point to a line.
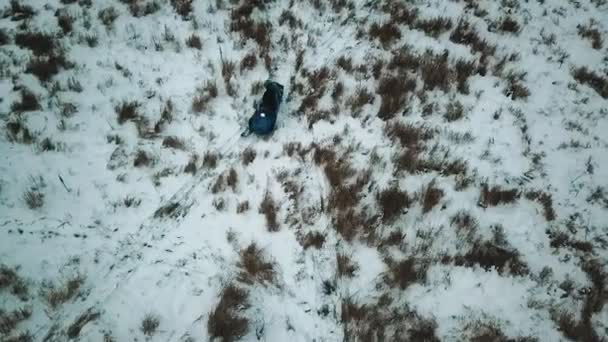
263 120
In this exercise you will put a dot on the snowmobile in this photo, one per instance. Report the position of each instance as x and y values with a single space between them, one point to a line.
263 120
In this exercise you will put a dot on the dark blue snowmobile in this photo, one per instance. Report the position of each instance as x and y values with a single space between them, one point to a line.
263 120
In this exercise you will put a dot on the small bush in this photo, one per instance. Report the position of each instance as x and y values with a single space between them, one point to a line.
509 24
591 79
57 295
142 159
465 224
29 102
10 320
127 111
242 207
516 89
386 33
255 267
149 324
435 26
431 197
454 111
393 93
210 160
107 16
224 321
592 34
203 96
232 179
408 135
488 255
33 198
361 97
194 42
17 131
496 195
249 62
311 239
345 63
288 17
404 273
248 156
182 7
269 208
4 37
392 202
191 167
74 329
464 70
65 22
345 266
435 71
10 280
19 11
219 185
39 43
44 68
544 199
174 142
467 35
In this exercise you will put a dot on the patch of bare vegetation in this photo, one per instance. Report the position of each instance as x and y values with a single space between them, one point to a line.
508 24
387 33
107 16
56 295
142 159
270 209
393 202
248 156
29 102
431 196
174 143
226 320
255 267
466 34
210 160
454 111
10 320
592 34
150 324
345 267
11 281
18 11
491 197
203 96
85 318
434 26
182 7
194 42
394 91
596 82
405 272
545 200
313 239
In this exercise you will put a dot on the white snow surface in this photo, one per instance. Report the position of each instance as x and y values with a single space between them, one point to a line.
174 267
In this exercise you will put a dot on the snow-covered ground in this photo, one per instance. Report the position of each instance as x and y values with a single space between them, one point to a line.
439 171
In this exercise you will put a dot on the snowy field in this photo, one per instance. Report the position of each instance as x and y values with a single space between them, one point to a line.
439 171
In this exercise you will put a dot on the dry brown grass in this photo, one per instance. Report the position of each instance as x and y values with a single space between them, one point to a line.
393 93
361 97
509 24
149 324
387 33
596 82
269 209
313 239
491 197
592 34
392 202
74 329
55 295
210 160
194 41
405 272
13 282
434 26
345 267
546 200
430 197
173 142
255 268
10 320
249 62
203 97
248 156
29 102
489 256
225 320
